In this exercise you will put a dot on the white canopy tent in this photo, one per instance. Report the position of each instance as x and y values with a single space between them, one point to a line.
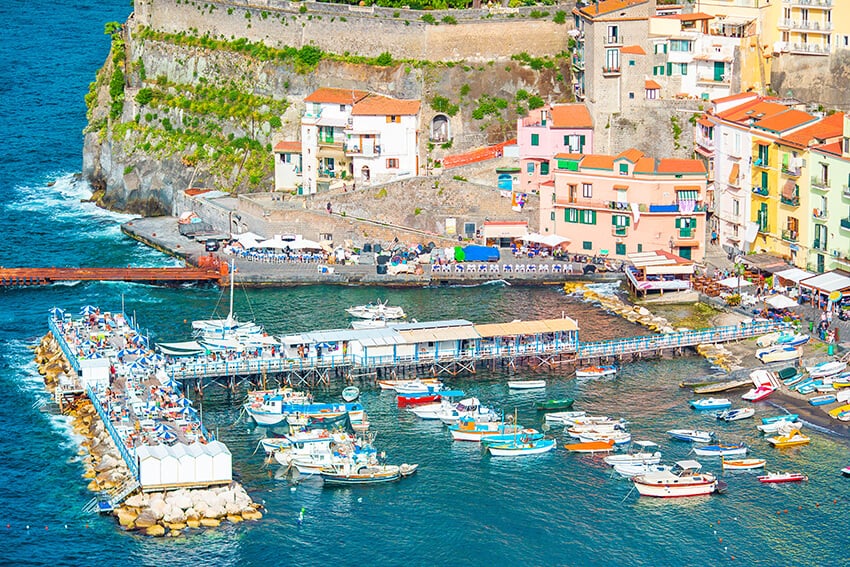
780 301
794 275
304 244
735 282
275 243
551 240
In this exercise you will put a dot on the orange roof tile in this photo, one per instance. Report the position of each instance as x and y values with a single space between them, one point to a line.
734 97
753 110
571 116
569 156
834 148
785 121
645 165
704 121
335 96
633 50
632 154
830 127
595 161
651 85
671 165
377 105
288 147
607 6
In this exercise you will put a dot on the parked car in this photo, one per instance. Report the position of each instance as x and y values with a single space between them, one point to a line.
212 245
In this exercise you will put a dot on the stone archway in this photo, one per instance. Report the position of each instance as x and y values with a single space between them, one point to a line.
440 129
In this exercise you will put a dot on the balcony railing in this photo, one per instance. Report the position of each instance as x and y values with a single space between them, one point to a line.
805 48
790 201
845 189
620 231
613 40
845 224
790 172
818 244
764 228
820 214
610 71
762 163
789 235
807 3
761 191
820 183
807 25
723 81
686 232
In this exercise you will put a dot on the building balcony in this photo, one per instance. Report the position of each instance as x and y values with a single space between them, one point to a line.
611 71
819 244
365 151
620 231
820 214
845 191
806 26
712 81
790 201
330 143
760 191
762 163
790 172
705 142
764 228
578 63
820 183
805 48
613 40
789 235
808 3
845 224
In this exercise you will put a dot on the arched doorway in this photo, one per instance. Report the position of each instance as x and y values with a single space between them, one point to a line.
440 131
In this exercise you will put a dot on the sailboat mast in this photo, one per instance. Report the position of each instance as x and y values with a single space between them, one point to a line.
232 280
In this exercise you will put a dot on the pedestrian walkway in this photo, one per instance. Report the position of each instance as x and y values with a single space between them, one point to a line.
477 155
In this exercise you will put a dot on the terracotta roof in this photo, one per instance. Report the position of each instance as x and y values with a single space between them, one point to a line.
830 127
704 121
377 105
550 183
569 156
651 85
633 50
335 96
645 165
571 116
753 110
834 148
632 154
288 147
785 120
730 98
607 6
671 165
597 162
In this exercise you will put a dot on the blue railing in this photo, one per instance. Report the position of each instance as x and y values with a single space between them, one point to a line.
60 338
104 417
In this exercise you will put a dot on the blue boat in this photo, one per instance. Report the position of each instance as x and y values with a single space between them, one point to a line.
775 418
789 339
711 404
822 400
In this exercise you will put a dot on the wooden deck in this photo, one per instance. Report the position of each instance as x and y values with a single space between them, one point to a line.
16 277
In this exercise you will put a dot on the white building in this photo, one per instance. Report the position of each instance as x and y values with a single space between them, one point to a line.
382 139
287 167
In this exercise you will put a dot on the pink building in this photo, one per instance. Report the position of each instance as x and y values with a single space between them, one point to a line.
559 128
627 203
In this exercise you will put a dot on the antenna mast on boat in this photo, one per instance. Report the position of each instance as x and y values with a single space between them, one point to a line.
232 279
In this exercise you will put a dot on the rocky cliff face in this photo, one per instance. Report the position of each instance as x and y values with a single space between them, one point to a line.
170 111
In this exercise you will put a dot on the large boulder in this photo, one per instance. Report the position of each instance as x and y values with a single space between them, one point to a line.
146 519
158 508
180 498
139 500
173 514
210 522
155 530
126 517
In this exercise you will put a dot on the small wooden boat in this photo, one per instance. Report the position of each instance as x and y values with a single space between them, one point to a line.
350 393
822 400
596 371
793 340
795 379
564 417
407 470
735 414
777 477
722 386
548 405
742 464
842 381
768 339
778 353
618 437
835 412
758 394
526 384
791 439
691 435
345 475
405 400
521 446
685 479
393 384
592 447
639 457
272 444
721 450
784 417
710 404
779 426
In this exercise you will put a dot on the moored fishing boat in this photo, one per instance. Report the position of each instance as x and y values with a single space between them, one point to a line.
618 437
720 450
778 353
418 387
685 479
793 339
826 399
520 446
640 457
596 371
694 435
630 470
735 414
377 310
581 428
347 474
846 471
758 394
777 426
742 464
592 447
826 369
564 417
561 404
405 400
779 477
526 384
783 417
393 384
468 429
350 393
710 404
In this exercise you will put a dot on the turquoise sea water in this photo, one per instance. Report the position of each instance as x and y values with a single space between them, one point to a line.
462 507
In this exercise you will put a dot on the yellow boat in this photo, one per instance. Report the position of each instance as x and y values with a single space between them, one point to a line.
790 440
841 383
835 411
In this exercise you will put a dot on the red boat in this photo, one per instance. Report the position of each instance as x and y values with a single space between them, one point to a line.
417 399
775 478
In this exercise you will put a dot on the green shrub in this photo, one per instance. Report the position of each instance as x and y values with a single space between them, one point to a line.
464 90
429 19
535 102
144 96
444 105
275 122
385 59
450 20
560 17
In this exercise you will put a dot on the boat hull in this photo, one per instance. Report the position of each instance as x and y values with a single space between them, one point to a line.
552 405
743 464
522 449
670 490
526 384
592 447
778 479
405 401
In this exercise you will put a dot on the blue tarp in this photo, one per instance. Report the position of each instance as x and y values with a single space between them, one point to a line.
475 253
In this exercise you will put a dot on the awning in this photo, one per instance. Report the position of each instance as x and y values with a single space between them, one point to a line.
189 348
827 282
504 229
780 301
733 282
687 193
751 232
518 328
439 334
762 143
690 243
765 262
789 190
621 187
734 175
792 274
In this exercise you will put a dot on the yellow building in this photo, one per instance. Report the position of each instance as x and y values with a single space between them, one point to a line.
816 27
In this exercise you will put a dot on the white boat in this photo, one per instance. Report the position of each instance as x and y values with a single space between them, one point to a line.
694 435
273 444
393 384
596 371
720 450
825 369
639 457
377 310
377 323
735 414
522 446
630 470
742 464
229 327
580 429
618 437
564 417
685 479
526 384
768 339
778 353
418 387
470 430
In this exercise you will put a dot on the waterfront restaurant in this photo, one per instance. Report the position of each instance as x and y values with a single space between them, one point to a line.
658 271
824 288
527 337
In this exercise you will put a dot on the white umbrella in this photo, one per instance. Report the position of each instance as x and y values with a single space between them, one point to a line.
304 244
780 301
275 243
88 310
735 282
57 313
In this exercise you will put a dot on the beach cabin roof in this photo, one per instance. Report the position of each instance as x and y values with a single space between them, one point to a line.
828 282
518 328
440 334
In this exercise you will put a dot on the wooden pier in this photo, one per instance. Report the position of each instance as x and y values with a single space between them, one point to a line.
18 277
535 352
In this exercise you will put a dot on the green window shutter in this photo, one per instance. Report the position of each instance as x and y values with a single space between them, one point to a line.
535 139
655 70
614 219
785 161
620 249
640 247
544 168
592 219
669 66
684 69
628 221
563 164
581 140
678 223
572 165
624 168
552 216
764 179
566 140
587 245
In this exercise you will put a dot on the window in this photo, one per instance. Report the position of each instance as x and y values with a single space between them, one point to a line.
552 216
326 237
587 217
658 70
612 59
587 190
624 169
640 247
631 62
736 208
571 215
680 45
686 226
620 249
575 144
544 168
342 108
529 168
651 94
587 245
394 119
631 95
764 181
535 139
554 197
683 69
568 164
392 163
621 220
660 48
